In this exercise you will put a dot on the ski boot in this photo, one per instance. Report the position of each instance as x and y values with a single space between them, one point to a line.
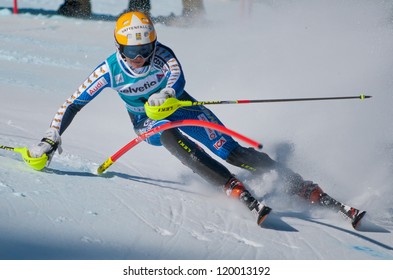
314 194
355 215
235 188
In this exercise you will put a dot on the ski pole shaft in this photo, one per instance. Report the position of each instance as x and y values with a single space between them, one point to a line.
172 104
7 148
244 101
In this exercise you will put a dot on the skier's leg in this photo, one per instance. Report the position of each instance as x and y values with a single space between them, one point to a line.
259 163
194 157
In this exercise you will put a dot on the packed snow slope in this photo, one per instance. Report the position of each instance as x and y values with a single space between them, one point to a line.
148 205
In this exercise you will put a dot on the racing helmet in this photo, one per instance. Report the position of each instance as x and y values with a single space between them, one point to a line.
135 35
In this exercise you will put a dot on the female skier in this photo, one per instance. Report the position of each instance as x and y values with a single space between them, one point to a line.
144 70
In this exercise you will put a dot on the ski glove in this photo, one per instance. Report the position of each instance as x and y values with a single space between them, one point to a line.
48 145
157 99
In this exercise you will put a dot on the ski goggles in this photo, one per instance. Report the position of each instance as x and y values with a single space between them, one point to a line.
144 51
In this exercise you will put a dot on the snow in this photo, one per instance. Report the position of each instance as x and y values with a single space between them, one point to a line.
148 206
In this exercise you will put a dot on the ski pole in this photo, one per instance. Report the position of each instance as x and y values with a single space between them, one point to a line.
7 148
172 104
35 163
101 169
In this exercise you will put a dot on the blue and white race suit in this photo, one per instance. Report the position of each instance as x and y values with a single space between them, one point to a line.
135 89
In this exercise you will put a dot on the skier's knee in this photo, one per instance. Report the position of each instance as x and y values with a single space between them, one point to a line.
148 124
194 157
250 159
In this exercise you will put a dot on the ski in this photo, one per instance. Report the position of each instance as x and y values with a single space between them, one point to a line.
262 214
352 214
357 221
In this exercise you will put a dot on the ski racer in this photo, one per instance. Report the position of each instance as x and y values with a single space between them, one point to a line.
144 70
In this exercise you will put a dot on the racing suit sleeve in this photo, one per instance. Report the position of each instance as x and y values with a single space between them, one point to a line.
87 91
167 61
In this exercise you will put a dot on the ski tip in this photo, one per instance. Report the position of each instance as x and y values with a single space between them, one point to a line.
357 220
262 215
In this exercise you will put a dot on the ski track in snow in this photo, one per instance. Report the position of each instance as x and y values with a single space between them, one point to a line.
174 220
239 238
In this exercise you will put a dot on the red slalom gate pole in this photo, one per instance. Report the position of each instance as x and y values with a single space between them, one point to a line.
15 6
170 125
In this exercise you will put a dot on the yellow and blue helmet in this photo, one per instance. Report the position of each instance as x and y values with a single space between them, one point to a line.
135 35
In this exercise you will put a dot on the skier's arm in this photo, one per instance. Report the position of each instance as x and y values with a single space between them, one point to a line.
87 91
166 59
90 88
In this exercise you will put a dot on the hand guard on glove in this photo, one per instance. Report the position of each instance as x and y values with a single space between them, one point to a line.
157 99
48 145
